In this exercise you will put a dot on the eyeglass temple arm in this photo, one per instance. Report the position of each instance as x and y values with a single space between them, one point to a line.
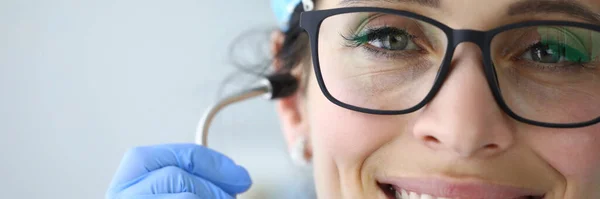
272 87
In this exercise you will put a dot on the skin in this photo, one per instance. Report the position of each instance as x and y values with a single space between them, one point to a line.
461 135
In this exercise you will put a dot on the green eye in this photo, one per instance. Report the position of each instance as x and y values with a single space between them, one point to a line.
386 38
555 52
558 44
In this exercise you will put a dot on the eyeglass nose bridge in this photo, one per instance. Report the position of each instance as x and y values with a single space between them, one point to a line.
465 35
479 38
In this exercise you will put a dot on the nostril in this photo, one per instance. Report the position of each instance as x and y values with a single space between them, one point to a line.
431 142
431 139
491 146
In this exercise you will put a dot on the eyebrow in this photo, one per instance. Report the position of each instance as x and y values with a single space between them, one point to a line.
428 3
568 7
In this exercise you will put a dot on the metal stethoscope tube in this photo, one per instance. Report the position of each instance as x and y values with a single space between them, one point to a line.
272 87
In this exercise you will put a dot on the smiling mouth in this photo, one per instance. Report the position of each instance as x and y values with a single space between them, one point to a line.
395 192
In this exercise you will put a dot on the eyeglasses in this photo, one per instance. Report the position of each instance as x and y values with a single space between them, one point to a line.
385 61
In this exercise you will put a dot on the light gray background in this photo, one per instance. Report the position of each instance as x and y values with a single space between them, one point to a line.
83 81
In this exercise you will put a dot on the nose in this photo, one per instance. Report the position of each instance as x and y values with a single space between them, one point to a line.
463 118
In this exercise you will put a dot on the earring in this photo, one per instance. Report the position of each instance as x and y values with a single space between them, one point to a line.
298 152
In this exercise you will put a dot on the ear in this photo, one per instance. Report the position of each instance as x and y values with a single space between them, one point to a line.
292 109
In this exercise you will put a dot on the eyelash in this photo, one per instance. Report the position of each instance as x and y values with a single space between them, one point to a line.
548 67
360 39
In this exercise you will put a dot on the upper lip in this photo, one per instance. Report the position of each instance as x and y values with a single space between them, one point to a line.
459 189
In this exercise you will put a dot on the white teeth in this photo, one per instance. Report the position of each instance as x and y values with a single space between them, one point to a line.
398 195
425 196
403 194
414 195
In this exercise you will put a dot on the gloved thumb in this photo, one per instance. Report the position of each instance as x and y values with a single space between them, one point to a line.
194 159
170 182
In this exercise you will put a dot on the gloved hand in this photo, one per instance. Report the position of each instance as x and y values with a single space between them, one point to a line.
177 171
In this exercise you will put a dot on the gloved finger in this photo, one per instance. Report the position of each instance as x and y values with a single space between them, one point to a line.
169 181
195 159
166 196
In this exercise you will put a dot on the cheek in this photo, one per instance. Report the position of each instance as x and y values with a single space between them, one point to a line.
574 153
348 137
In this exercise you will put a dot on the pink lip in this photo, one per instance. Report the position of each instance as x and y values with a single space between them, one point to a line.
448 189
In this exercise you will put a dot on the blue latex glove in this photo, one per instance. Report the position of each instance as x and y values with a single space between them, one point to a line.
177 171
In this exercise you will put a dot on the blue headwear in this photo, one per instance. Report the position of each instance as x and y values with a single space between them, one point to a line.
284 9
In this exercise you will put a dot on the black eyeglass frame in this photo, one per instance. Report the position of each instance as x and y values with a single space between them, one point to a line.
311 22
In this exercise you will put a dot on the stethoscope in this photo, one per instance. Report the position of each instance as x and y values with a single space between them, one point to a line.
271 87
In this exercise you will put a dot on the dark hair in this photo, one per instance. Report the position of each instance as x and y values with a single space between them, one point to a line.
295 46
251 55
294 50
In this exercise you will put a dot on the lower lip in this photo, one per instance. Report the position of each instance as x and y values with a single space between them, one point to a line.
458 189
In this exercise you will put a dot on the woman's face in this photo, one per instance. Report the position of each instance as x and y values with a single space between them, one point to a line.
461 143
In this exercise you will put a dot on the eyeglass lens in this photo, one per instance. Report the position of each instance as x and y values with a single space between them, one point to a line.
390 62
